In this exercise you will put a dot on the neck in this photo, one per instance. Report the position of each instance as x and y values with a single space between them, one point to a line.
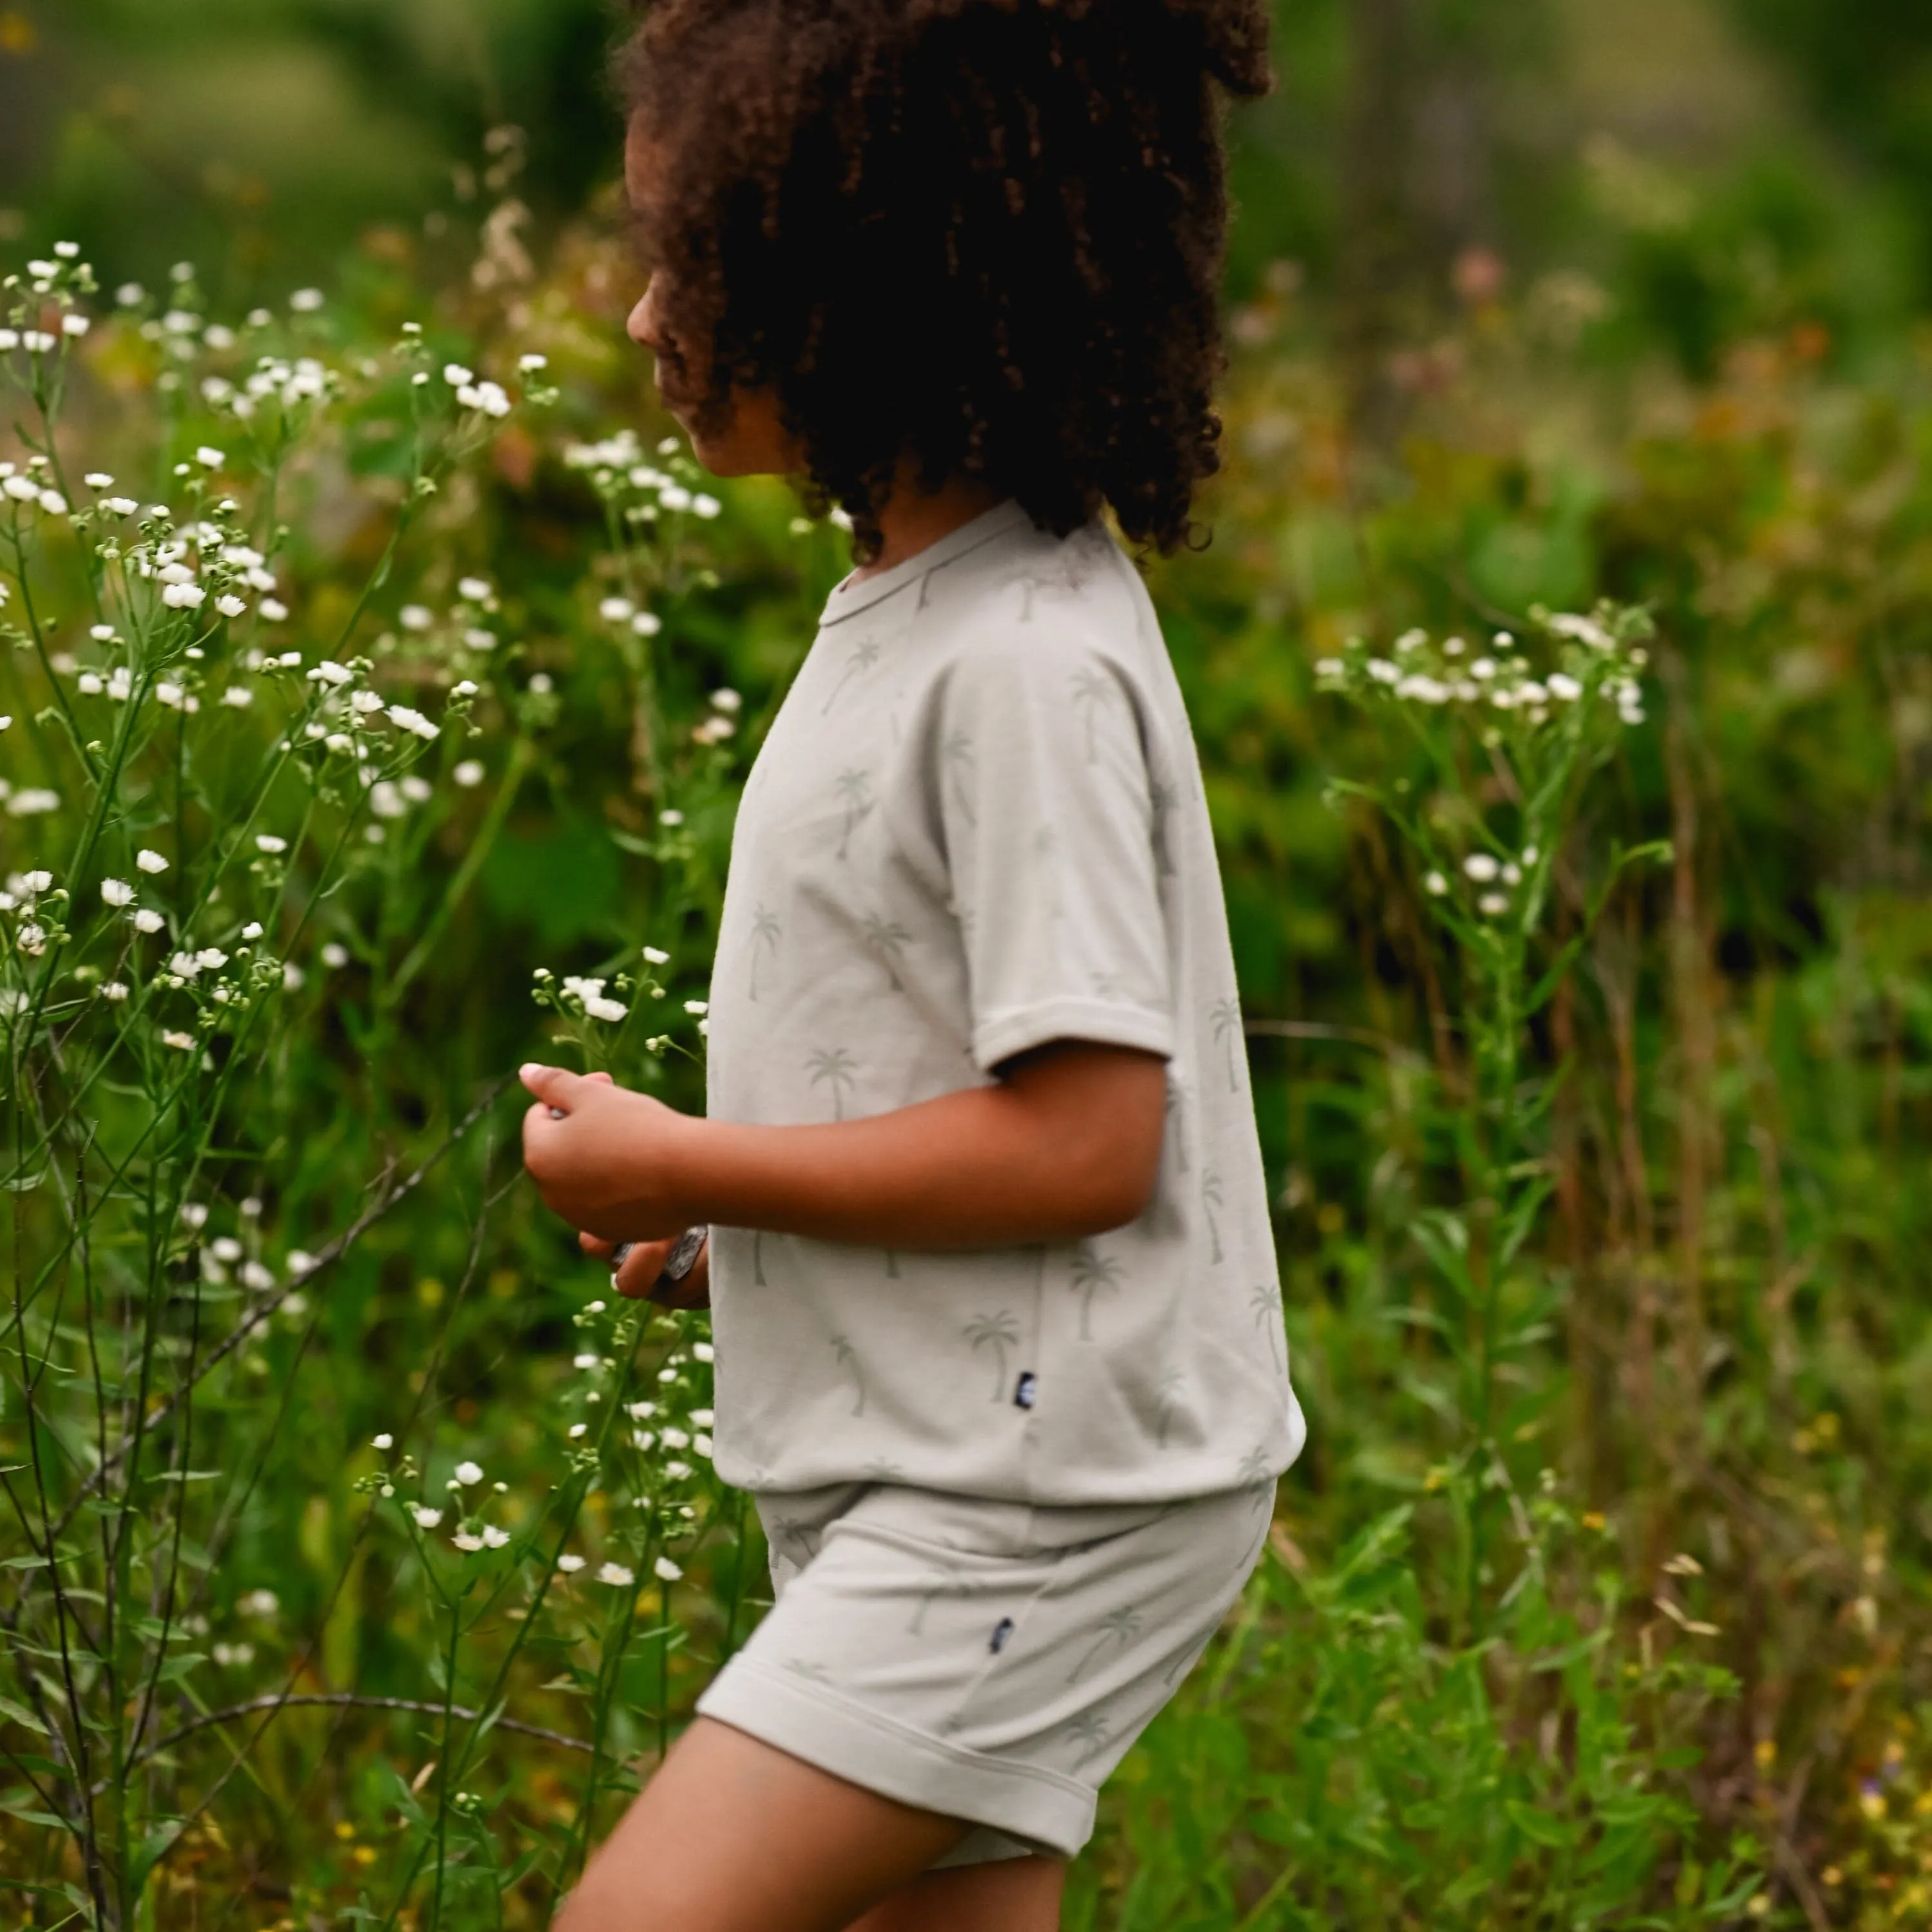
911 519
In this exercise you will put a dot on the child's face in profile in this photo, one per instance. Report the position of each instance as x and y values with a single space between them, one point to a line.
749 441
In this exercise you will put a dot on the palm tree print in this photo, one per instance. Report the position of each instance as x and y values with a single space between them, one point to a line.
1266 1302
789 1534
1092 1272
834 1065
889 940
1170 1385
854 788
1119 1627
758 1259
892 1264
1226 1016
1257 1478
1176 1114
999 1332
1090 1730
958 752
861 659
946 1579
1160 796
765 933
848 1360
1211 1199
1091 687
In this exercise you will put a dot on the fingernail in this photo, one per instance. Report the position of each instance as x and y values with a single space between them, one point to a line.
528 1067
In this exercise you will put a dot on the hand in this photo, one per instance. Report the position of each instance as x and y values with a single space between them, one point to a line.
604 1158
637 1279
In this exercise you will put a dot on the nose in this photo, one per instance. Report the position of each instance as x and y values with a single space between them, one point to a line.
642 326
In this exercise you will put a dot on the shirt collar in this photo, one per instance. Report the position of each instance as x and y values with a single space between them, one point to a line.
860 593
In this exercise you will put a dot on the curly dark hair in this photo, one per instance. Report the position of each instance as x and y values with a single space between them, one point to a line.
983 235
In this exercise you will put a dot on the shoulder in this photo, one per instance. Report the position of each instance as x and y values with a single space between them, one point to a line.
1038 605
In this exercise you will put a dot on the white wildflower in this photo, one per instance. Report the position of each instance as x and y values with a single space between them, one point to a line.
465 1541
267 841
89 684
468 1473
617 610
184 597
494 1538
182 1042
530 364
469 773
115 991
474 590
259 1278
615 1574
415 617
456 375
657 955
150 861
239 696
210 458
578 1430
148 921
305 301
331 673
426 1517
700 1007
1584 630
413 720
32 801
1436 885
232 606
335 955
570 1565
273 611
702 1351
1564 688
1481 867
1494 905
667 1570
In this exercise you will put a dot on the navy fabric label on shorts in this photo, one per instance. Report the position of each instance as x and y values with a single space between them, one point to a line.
1002 1630
1023 1391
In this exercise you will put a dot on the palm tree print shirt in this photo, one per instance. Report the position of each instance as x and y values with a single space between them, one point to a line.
977 825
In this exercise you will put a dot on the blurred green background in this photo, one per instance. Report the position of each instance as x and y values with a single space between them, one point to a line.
1706 157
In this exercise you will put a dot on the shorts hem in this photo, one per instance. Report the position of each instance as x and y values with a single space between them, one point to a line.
866 1748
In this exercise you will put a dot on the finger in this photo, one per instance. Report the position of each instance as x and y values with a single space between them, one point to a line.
638 1275
604 1077
596 1245
555 1086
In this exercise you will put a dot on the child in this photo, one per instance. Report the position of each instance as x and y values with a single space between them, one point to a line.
999 1347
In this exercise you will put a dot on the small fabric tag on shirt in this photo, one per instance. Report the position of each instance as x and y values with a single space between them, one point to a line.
1024 1389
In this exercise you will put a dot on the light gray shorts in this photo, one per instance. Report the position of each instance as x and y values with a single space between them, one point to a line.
990 1661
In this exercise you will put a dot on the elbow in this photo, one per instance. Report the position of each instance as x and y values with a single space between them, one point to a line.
1115 1181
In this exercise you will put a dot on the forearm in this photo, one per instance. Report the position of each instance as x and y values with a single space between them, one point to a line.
981 1167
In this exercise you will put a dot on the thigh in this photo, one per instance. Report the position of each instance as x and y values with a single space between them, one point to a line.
734 1835
1008 1895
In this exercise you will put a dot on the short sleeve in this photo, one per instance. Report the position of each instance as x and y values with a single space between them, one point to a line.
1047 813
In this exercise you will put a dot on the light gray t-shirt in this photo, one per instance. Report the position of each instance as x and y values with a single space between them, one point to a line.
977 825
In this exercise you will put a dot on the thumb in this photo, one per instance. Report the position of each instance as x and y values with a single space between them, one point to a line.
554 1086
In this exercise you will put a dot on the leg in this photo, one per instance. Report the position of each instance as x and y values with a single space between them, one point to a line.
733 1835
1008 1895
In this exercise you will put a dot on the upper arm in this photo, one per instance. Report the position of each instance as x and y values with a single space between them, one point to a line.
1047 806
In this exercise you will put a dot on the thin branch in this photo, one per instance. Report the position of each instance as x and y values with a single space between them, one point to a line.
262 1309
275 1702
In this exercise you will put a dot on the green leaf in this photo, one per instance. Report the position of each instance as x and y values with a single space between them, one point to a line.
1555 1833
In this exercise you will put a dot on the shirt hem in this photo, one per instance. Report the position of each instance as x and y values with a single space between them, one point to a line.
1102 1021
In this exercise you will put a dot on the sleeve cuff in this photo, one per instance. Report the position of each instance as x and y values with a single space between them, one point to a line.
1001 1035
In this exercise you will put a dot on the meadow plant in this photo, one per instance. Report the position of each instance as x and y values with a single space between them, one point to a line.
228 777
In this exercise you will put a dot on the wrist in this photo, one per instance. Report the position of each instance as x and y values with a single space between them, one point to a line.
684 1181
